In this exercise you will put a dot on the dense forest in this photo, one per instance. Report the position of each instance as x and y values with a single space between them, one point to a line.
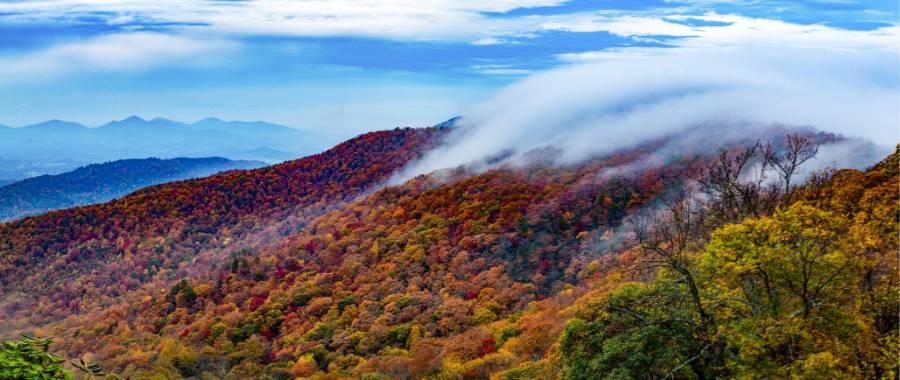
66 261
103 182
635 264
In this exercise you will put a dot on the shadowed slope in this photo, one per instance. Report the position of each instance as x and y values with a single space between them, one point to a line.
103 182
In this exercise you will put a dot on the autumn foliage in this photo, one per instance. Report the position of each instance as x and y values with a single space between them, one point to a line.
531 271
92 253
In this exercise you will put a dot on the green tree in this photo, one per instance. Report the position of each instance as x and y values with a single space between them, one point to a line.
778 296
637 331
28 359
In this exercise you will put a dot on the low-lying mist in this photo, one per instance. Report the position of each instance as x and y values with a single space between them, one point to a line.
595 108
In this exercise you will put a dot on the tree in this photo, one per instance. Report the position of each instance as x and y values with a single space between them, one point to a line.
776 296
741 184
796 262
797 151
786 294
28 359
736 189
637 331
685 322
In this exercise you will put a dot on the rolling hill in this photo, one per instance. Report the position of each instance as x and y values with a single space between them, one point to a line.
650 259
161 227
103 182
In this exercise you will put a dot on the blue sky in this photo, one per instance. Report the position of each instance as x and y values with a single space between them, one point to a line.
353 65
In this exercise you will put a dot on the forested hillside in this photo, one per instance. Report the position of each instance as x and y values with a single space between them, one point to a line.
103 182
423 260
802 284
648 262
63 262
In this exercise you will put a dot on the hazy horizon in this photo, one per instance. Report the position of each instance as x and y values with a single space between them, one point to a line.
144 118
349 67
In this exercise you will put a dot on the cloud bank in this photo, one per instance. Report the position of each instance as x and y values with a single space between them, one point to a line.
594 108
111 53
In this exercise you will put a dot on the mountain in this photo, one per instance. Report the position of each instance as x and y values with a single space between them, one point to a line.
657 260
55 126
103 182
58 146
198 216
242 128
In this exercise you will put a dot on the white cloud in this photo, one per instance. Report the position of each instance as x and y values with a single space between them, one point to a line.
396 19
616 54
756 32
499 70
623 25
115 52
740 32
454 20
487 41
599 107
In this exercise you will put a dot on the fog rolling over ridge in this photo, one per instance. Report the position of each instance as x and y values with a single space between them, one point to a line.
628 98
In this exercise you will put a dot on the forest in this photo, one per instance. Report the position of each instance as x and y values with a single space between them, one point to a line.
100 183
729 264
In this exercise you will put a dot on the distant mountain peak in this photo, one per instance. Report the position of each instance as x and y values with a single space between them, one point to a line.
135 118
135 136
56 123
139 122
130 121
209 120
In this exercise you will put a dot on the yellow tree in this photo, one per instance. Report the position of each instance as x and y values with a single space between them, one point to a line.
785 292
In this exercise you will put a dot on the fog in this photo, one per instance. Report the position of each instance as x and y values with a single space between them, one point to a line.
594 108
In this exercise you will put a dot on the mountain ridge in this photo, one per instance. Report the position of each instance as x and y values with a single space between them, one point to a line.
97 183
69 145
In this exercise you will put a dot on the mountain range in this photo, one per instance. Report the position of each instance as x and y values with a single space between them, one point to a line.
57 146
656 260
103 182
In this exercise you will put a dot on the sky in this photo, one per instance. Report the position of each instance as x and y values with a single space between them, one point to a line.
349 66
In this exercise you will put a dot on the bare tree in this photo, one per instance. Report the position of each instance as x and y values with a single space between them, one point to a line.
735 183
740 184
668 235
797 151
